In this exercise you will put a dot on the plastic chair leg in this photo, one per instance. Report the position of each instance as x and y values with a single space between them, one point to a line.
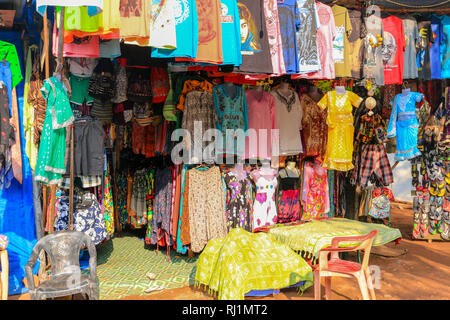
328 287
317 285
370 284
4 274
362 282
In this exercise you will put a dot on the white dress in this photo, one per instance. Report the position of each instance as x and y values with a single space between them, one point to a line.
264 206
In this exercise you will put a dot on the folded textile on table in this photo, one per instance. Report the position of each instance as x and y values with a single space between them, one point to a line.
244 261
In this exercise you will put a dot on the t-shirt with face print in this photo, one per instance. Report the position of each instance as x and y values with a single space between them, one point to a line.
393 49
255 48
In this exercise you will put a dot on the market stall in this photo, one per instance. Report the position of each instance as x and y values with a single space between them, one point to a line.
189 119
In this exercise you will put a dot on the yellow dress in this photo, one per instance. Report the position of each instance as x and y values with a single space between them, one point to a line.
340 129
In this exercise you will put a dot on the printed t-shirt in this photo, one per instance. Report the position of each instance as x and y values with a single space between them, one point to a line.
341 52
325 36
231 33
411 37
307 53
356 44
393 50
274 36
162 25
8 52
209 32
255 49
435 54
186 22
423 50
135 19
373 60
445 47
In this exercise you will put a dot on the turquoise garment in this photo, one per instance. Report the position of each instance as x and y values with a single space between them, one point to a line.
231 33
50 163
180 248
233 115
404 124
187 32
445 47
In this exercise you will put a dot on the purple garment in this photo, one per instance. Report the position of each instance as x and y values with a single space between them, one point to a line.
239 207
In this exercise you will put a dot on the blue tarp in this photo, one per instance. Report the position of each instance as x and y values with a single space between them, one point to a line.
16 202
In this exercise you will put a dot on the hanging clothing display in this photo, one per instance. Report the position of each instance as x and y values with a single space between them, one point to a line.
393 48
289 14
411 37
306 36
340 129
423 49
341 47
289 122
315 191
52 149
373 59
231 33
404 126
207 217
255 49
262 119
289 204
314 127
274 36
239 207
264 207
435 54
231 108
356 43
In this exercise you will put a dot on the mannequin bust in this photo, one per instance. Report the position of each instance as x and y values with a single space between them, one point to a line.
239 171
290 170
284 89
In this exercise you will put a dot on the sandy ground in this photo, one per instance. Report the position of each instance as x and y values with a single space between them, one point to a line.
422 273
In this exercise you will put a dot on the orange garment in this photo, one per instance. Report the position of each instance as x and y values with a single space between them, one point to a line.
143 140
111 34
191 85
185 235
209 49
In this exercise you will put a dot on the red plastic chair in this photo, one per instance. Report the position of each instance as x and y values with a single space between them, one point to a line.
335 267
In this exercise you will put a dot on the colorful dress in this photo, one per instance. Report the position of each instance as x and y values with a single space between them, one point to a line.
52 149
162 207
404 125
340 129
289 205
150 177
239 207
264 207
108 204
315 191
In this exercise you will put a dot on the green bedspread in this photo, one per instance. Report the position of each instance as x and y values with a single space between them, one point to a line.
243 261
313 236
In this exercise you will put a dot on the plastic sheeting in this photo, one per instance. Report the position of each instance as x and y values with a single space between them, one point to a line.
16 202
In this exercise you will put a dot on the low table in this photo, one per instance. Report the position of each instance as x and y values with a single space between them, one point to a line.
311 237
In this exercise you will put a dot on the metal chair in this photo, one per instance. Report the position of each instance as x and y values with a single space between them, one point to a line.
335 267
4 274
63 249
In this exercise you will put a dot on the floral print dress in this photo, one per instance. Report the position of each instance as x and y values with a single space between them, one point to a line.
240 205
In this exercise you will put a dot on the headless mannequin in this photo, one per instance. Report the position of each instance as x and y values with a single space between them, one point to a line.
340 90
284 89
239 171
231 89
315 93
259 92
290 170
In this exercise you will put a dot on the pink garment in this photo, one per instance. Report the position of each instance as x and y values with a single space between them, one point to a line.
325 35
274 33
315 191
261 118
88 48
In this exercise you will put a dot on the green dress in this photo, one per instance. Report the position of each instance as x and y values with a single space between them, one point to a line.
50 163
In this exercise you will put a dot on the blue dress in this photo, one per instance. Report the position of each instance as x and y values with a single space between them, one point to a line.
233 115
404 125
